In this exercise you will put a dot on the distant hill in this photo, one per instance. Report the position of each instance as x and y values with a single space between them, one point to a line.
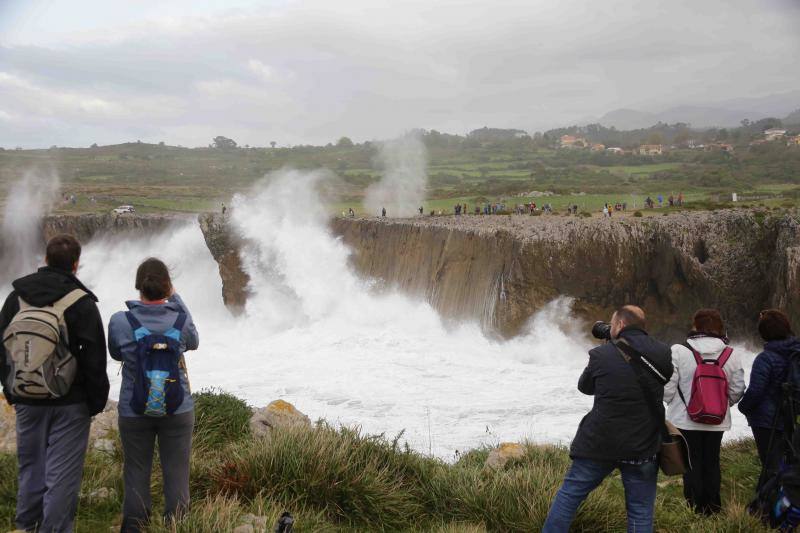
698 117
793 119
726 113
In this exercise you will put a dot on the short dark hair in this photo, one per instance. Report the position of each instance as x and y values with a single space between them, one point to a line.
62 252
632 316
708 322
152 279
773 325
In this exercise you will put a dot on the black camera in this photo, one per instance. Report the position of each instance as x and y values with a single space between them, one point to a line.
601 330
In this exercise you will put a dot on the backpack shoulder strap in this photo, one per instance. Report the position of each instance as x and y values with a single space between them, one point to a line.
180 321
175 330
697 358
634 358
139 331
724 356
68 300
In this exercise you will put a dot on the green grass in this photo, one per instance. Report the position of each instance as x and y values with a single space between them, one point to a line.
342 480
174 179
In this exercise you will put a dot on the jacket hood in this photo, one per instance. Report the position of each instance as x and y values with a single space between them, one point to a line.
704 345
153 309
784 347
47 285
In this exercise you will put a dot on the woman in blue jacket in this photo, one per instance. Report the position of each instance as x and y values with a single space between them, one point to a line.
159 311
762 398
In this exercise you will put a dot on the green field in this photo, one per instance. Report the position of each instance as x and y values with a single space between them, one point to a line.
160 178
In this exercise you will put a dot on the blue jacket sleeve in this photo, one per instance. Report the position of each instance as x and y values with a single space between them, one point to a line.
114 335
759 381
189 336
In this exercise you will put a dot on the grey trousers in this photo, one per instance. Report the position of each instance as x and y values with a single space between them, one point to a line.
51 448
139 434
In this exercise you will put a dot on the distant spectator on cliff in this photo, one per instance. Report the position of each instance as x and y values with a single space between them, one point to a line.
680 199
660 200
224 208
671 201
351 213
383 211
420 210
605 210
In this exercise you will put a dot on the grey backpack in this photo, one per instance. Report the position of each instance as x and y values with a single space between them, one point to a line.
37 350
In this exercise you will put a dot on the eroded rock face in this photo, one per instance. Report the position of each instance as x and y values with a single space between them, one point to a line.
500 270
225 245
85 227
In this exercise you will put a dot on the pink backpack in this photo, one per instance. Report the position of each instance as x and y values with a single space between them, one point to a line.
709 402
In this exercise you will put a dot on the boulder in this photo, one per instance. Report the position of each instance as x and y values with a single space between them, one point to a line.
277 414
500 456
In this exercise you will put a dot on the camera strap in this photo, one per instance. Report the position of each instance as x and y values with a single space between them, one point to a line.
639 362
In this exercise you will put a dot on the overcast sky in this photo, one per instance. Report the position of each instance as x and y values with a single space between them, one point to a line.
74 72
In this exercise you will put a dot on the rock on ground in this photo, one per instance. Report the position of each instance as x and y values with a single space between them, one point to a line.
277 414
500 456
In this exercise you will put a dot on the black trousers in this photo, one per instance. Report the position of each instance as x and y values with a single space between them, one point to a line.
770 456
701 484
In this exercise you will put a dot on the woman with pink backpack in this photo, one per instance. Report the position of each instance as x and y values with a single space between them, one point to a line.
708 379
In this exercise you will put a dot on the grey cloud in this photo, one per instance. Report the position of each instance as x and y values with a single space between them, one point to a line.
312 71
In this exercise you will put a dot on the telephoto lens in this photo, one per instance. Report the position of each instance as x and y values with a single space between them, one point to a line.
601 330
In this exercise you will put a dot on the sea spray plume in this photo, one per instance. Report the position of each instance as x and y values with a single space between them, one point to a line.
28 200
401 190
298 273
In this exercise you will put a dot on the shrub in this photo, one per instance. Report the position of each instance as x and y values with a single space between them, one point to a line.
638 214
220 418
355 479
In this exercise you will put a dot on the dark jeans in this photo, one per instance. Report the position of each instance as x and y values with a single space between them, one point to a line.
770 456
585 475
51 448
138 435
701 484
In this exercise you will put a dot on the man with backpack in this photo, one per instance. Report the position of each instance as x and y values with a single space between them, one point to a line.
621 431
53 368
707 380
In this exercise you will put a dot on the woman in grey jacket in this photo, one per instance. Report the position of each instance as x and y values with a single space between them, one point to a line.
701 484
157 312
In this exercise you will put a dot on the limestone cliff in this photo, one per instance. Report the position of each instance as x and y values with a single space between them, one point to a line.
84 227
500 270
224 245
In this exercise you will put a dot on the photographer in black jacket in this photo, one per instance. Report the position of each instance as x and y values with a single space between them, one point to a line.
620 431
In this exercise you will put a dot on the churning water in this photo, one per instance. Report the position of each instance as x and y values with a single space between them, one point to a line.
316 335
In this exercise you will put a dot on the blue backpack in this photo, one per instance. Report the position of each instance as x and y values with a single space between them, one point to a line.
157 389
